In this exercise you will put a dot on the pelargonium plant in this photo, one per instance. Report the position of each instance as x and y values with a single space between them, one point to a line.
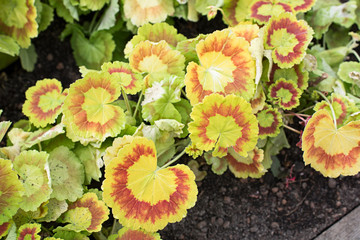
133 125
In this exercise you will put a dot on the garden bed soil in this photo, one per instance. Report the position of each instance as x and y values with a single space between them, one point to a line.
299 206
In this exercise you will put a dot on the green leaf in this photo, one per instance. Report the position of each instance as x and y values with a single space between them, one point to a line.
218 165
337 36
72 9
160 98
108 19
4 126
90 157
346 68
67 174
92 52
55 209
273 147
46 17
8 45
69 235
184 108
13 13
33 169
28 58
201 6
61 10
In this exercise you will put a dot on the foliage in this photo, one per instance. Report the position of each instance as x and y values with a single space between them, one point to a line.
225 97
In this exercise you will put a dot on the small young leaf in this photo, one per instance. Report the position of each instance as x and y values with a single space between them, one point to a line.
28 58
8 45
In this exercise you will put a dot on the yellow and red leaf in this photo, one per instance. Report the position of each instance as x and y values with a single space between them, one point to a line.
226 67
288 38
142 195
88 110
221 122
43 102
330 150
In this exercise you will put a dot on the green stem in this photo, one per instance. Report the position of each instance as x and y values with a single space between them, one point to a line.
224 16
99 236
305 109
138 104
114 227
126 100
292 129
356 55
93 21
330 105
167 149
173 160
184 93
40 148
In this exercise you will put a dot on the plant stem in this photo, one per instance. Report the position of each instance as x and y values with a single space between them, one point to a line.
184 93
305 109
173 160
40 148
331 107
138 104
93 20
292 129
224 16
126 100
356 55
114 228
99 236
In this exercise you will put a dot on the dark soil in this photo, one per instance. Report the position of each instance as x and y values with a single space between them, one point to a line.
227 207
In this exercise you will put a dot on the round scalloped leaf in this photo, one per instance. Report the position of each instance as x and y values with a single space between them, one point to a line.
118 143
22 34
129 234
157 60
288 38
270 121
33 170
218 165
11 191
300 5
331 151
142 12
297 74
155 33
221 122
55 209
29 231
88 110
345 68
144 196
52 238
67 174
246 30
285 93
131 82
240 168
87 213
159 100
342 105
262 10
4 228
226 67
236 11
43 102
